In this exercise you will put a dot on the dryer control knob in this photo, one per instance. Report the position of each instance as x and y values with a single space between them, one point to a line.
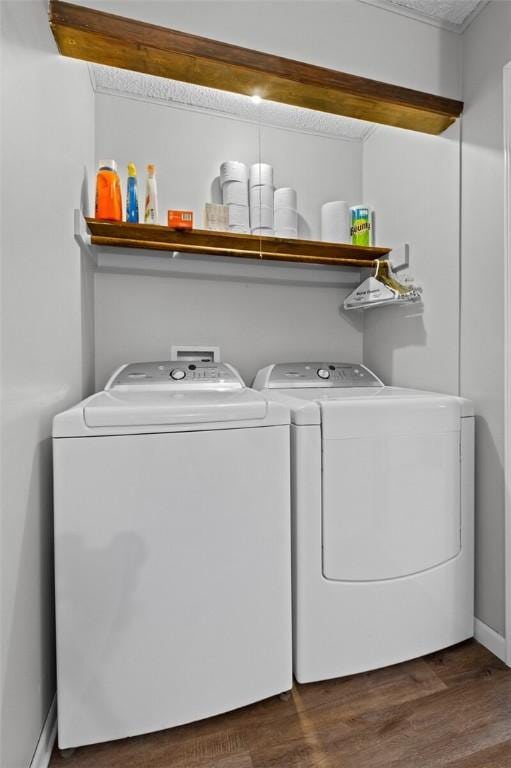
323 373
177 374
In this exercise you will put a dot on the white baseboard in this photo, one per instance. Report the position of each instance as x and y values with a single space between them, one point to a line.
490 639
42 754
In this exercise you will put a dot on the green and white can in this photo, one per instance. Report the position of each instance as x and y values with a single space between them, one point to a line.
360 225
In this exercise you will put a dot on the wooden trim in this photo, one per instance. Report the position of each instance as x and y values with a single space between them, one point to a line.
151 237
42 755
491 640
506 99
104 38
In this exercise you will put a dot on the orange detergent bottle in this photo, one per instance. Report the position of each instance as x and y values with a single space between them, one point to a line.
108 192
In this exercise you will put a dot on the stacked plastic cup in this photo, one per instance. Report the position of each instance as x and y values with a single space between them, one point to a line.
261 199
233 181
285 212
336 222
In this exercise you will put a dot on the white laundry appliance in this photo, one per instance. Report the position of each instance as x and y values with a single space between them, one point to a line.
172 551
382 500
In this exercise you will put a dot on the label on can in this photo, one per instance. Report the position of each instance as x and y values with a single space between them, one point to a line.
360 225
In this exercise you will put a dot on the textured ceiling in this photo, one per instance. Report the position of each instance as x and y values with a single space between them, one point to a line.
455 11
453 14
123 82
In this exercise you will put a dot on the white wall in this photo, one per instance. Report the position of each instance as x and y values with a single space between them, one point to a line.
413 182
331 34
138 318
486 49
254 323
46 123
47 136
189 145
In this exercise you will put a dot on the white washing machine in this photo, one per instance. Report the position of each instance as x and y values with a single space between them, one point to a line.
382 498
172 551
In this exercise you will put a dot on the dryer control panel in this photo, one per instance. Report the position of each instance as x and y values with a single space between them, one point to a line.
173 375
319 374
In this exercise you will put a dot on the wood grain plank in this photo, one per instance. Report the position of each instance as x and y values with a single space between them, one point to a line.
353 695
453 724
206 242
449 710
498 756
173 747
118 41
467 661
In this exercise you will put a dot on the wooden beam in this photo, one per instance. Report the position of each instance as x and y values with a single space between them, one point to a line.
201 241
104 38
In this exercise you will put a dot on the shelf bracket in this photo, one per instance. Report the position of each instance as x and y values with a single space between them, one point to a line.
399 257
82 236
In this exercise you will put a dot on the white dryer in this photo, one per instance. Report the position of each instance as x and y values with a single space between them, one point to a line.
172 551
382 499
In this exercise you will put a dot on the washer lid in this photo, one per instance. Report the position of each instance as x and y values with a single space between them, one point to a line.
129 409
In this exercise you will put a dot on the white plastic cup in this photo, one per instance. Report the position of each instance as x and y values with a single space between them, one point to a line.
262 231
261 173
261 195
262 216
285 197
232 170
289 233
336 222
286 218
238 215
235 192
239 229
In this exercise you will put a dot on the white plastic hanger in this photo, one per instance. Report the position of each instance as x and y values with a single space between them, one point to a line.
380 289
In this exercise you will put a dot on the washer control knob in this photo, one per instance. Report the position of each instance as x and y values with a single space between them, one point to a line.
177 374
323 373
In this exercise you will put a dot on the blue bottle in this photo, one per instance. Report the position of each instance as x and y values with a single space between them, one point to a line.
131 194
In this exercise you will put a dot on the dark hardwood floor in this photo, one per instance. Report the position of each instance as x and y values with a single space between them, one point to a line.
450 709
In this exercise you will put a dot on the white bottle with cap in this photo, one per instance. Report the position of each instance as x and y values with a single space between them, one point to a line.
151 197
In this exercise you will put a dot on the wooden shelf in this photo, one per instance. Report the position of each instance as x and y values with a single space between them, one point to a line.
200 241
104 38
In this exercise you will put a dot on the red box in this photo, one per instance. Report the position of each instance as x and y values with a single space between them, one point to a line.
180 219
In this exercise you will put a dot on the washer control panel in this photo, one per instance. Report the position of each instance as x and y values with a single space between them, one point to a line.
300 375
176 375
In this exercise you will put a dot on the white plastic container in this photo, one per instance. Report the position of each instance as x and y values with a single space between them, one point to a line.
238 215
232 170
289 233
285 218
261 195
151 197
235 192
336 222
261 173
263 231
261 216
285 197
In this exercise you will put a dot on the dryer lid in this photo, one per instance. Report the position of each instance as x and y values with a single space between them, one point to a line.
342 406
132 409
